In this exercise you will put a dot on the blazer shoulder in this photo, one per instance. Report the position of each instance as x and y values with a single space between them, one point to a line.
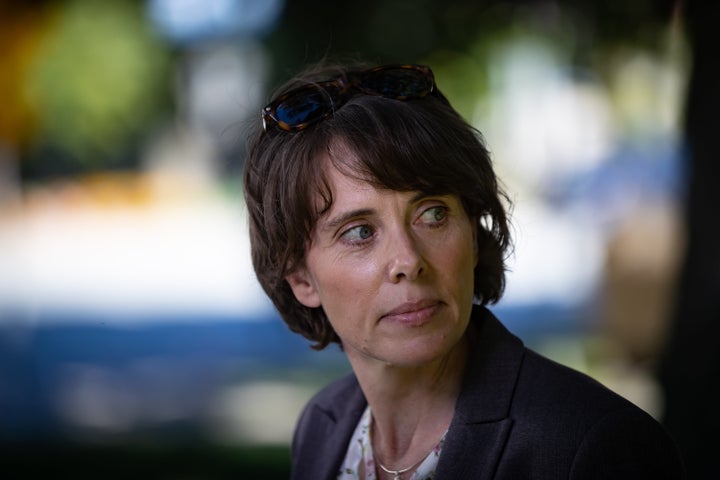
609 436
627 444
547 380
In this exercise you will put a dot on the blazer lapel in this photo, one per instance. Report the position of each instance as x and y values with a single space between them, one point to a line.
473 451
481 425
330 424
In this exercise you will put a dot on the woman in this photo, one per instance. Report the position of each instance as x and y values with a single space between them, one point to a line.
377 223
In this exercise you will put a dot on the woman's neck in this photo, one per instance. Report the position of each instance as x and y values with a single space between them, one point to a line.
412 407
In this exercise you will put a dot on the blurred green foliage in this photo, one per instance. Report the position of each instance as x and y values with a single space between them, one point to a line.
99 80
102 79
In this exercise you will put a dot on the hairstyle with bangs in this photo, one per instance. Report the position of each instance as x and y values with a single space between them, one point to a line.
403 145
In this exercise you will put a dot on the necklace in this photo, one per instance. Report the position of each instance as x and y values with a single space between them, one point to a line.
396 473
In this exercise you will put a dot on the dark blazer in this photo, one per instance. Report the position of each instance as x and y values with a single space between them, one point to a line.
518 416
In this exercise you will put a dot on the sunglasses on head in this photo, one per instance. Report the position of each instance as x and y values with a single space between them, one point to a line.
303 106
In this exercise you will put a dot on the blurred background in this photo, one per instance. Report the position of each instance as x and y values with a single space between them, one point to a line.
134 338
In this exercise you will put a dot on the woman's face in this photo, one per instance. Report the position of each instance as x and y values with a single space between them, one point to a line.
392 270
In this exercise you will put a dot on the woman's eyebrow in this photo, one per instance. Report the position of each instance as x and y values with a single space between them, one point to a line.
334 222
419 196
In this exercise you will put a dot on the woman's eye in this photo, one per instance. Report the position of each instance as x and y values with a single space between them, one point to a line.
434 215
358 234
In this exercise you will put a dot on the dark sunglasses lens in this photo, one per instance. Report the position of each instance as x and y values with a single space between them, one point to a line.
398 82
305 106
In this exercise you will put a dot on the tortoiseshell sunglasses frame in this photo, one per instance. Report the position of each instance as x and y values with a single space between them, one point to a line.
336 92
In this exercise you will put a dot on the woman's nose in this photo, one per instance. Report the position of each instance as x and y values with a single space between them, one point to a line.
405 259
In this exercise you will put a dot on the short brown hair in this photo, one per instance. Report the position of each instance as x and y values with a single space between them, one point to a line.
416 145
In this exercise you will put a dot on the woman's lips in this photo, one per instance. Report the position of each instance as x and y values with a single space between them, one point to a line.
412 313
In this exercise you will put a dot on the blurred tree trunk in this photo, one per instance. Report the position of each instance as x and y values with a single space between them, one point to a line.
690 370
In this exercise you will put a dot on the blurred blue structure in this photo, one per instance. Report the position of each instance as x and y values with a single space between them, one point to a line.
189 360
190 21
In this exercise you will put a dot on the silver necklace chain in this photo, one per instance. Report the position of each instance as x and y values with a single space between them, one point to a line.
396 473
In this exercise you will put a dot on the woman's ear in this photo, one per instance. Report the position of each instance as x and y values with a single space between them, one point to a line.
303 288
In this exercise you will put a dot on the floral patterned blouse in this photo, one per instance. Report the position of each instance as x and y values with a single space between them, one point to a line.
359 463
